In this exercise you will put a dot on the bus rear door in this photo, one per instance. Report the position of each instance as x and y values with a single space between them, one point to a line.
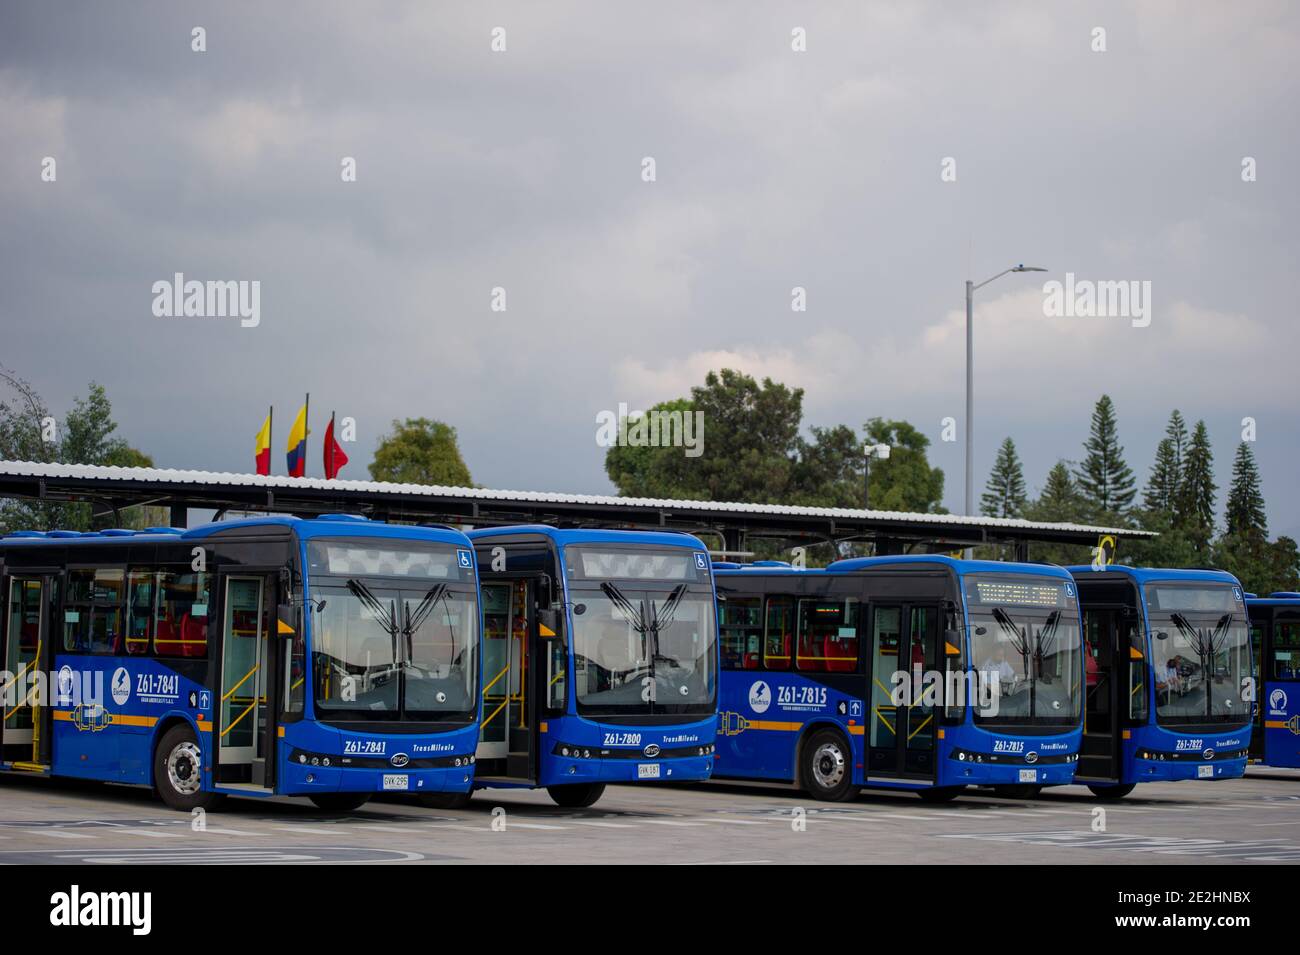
26 726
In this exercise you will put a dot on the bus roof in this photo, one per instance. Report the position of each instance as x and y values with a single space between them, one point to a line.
956 564
1145 575
851 564
566 536
329 525
1282 598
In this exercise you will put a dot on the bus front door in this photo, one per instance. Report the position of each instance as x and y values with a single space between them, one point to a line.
506 746
26 726
245 733
903 723
1099 757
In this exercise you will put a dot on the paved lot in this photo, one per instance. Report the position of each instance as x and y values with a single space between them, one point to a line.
1249 821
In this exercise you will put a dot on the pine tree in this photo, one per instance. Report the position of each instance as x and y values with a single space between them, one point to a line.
1196 495
1105 481
1058 502
1245 500
1004 495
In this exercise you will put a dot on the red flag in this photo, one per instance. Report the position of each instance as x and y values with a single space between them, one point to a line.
334 456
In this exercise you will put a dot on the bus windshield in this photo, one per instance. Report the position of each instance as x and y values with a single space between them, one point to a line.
1026 647
1200 643
643 648
397 643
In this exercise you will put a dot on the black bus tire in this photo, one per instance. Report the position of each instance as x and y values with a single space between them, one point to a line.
444 800
576 795
178 771
340 802
940 793
826 767
1112 792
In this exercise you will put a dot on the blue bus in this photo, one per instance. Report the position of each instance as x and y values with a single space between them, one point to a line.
1169 677
332 658
917 672
1275 645
599 660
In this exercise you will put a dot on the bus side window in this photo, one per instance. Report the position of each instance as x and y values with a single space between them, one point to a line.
181 626
142 595
741 629
1286 650
778 633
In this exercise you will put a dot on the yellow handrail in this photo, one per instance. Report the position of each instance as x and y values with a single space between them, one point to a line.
247 710
241 682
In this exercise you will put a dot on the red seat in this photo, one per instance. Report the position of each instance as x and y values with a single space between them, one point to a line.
841 655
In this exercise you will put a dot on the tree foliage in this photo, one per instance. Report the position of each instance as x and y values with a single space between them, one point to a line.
420 451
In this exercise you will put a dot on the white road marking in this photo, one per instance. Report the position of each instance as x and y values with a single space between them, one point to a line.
672 822
531 825
151 833
58 833
604 825
314 832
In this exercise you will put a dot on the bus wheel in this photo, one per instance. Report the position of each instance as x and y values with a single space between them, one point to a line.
827 770
444 800
940 793
1112 792
340 802
576 795
178 771
1018 790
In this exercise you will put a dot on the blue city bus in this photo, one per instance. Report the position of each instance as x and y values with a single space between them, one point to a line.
1275 645
918 672
599 660
1169 677
332 658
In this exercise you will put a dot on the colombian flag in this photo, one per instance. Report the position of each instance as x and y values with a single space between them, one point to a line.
262 450
297 447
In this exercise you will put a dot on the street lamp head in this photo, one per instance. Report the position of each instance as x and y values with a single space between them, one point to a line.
1027 268
880 451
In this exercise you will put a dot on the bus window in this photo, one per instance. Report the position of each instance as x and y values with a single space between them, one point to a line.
779 633
142 592
742 632
1286 650
828 636
92 612
181 627
1131 639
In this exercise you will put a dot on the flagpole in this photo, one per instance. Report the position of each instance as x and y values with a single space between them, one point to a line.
330 432
270 437
306 430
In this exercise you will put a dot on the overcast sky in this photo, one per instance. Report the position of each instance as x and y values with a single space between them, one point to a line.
774 169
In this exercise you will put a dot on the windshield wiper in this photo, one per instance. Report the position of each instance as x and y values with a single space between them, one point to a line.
629 609
371 602
663 617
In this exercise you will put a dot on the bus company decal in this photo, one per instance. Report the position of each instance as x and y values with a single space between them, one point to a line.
1277 702
760 697
120 686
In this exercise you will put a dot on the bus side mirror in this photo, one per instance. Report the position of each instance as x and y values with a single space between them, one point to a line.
548 624
1162 635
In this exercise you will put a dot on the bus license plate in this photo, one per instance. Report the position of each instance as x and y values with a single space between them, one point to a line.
397 782
647 771
1205 772
1029 775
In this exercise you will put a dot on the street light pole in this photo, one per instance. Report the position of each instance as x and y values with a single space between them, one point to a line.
970 384
872 451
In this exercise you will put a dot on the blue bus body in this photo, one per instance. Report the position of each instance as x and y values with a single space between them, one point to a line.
222 667
1168 651
1275 642
600 659
810 658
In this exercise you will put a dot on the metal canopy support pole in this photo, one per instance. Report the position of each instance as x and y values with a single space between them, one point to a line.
179 516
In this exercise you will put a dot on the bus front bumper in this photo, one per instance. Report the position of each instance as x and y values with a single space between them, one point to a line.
681 769
1168 770
958 772
300 780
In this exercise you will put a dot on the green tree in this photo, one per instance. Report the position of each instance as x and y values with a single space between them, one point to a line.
1263 567
828 470
1245 499
1196 497
904 481
29 432
420 451
1167 471
1004 495
1059 502
649 471
1105 482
